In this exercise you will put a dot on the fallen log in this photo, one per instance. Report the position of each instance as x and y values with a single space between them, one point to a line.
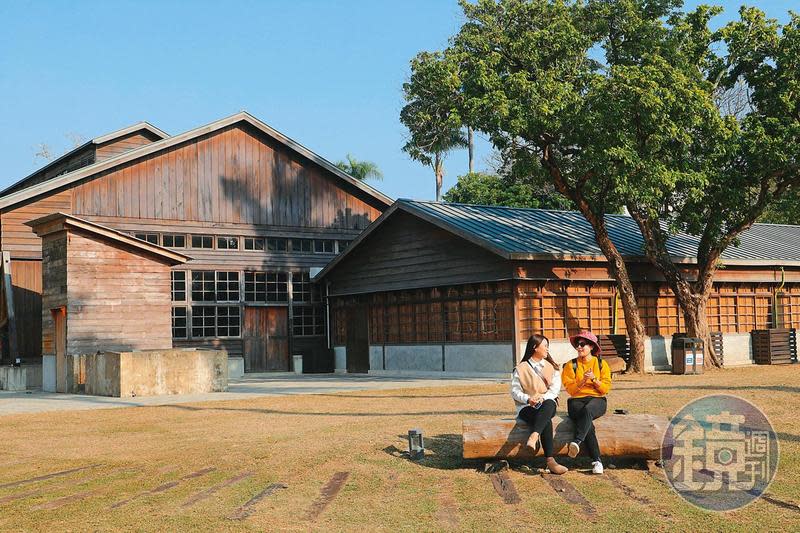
636 436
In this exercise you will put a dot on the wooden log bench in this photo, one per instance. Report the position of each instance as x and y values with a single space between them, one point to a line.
635 436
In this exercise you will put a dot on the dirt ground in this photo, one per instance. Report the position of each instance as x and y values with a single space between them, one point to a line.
337 462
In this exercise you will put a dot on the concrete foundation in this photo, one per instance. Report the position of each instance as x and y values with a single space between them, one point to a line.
49 373
156 372
340 359
20 378
235 367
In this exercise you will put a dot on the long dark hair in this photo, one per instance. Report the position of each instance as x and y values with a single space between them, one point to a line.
533 342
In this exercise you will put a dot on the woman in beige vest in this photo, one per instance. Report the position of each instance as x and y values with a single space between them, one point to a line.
535 384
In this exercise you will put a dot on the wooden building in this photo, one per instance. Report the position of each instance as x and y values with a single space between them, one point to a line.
102 291
437 287
254 209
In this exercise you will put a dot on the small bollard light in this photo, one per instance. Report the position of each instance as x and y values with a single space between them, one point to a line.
416 447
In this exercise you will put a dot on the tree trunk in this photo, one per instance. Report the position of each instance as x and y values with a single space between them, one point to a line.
694 302
438 168
635 435
471 148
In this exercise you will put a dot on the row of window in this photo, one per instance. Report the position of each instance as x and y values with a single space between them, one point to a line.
259 287
225 321
229 242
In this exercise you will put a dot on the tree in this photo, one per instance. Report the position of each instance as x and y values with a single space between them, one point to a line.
491 189
621 103
434 125
360 170
731 165
527 80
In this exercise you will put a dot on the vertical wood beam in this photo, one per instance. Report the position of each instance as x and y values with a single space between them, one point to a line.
516 332
13 348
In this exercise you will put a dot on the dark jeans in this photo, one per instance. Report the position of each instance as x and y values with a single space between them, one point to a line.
582 411
541 421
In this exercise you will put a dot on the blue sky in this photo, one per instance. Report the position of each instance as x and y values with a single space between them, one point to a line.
328 74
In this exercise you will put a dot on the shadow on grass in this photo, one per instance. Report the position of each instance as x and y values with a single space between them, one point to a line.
370 414
442 452
775 388
411 396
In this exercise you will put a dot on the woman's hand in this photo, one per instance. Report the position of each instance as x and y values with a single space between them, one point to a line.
589 375
535 400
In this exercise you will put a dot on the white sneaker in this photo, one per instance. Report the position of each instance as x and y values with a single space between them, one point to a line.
597 467
573 449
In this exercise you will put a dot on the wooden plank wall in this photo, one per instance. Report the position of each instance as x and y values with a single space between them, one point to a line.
54 269
406 252
20 239
26 281
118 300
230 176
123 144
80 159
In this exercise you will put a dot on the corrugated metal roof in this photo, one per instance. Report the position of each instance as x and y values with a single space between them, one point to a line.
519 232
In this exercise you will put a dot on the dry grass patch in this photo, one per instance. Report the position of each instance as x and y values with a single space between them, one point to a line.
304 441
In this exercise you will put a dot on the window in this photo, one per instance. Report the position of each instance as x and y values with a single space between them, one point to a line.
343 245
308 320
323 246
179 329
302 288
277 244
302 245
227 286
202 241
152 238
215 321
203 286
228 321
227 243
253 243
266 287
203 321
174 241
178 286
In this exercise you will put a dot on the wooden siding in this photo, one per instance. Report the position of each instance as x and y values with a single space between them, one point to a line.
406 252
81 158
26 282
233 347
123 144
231 176
117 299
54 265
20 239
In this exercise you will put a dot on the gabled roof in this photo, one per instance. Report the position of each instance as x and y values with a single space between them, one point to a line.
243 116
541 234
139 126
60 221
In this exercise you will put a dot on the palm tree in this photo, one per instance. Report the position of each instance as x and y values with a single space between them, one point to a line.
360 170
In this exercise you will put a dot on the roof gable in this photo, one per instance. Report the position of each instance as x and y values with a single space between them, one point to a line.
86 172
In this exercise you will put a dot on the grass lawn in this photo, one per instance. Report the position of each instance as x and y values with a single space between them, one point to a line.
195 467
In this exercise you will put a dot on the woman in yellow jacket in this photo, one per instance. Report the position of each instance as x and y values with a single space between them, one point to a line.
587 380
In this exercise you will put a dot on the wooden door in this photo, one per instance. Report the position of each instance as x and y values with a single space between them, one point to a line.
265 339
357 339
60 345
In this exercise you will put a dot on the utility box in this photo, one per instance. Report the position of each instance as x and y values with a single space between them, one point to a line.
687 355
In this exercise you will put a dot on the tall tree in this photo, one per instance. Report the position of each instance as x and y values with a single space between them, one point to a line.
434 125
527 80
360 170
730 164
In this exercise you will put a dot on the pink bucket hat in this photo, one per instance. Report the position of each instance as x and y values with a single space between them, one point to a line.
586 335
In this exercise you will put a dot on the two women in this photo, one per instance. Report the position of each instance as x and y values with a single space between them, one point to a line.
535 384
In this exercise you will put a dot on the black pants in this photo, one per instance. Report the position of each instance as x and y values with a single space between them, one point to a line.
541 421
582 411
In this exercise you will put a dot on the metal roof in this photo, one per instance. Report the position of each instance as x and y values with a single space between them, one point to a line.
543 234
519 233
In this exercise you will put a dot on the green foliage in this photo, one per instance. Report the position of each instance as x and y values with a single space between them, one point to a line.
360 170
490 189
